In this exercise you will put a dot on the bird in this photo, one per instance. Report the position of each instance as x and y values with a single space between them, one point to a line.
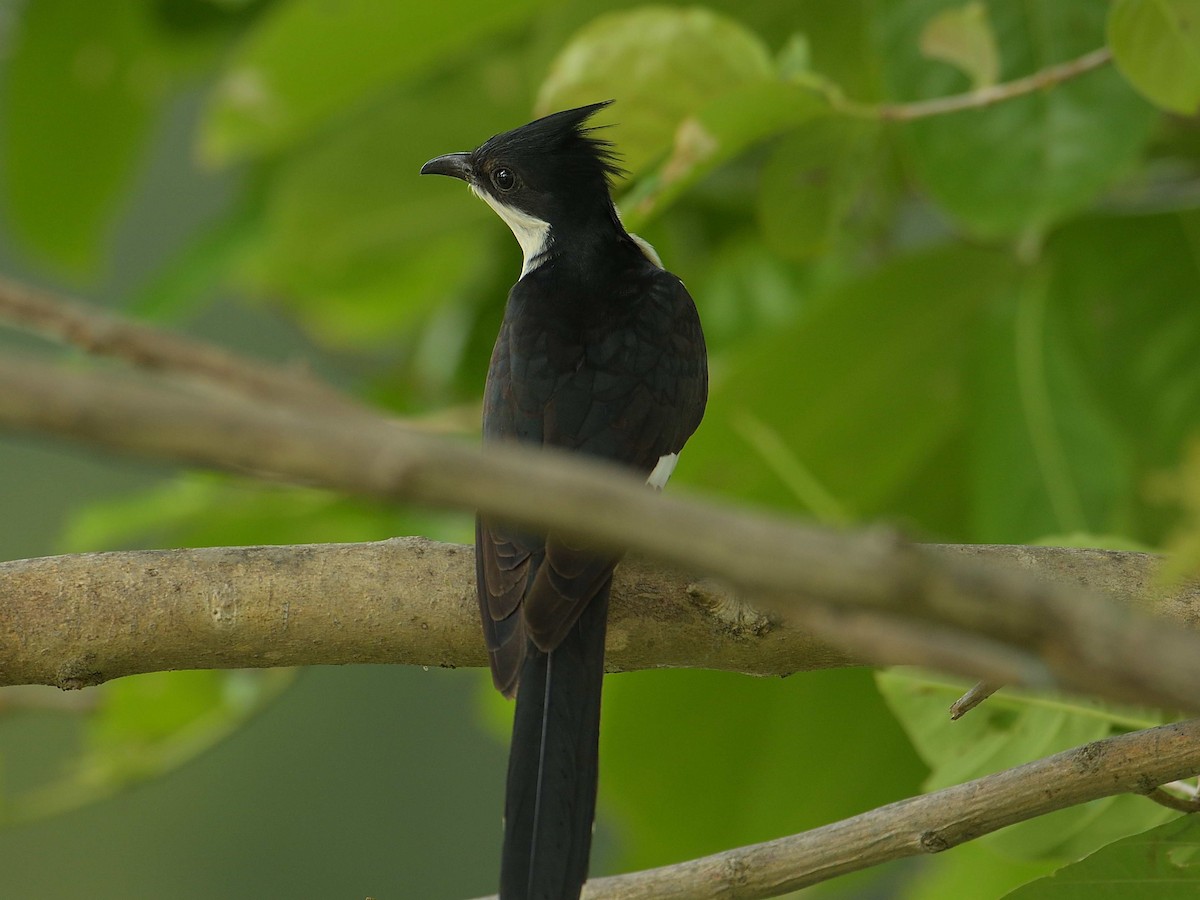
600 352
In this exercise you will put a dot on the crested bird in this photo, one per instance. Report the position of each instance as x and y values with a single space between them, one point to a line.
600 352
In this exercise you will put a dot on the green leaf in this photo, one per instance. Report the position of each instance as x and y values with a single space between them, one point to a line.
974 870
1025 163
81 87
143 726
147 724
1048 458
1121 309
206 510
746 290
661 63
841 36
1009 730
962 36
1181 488
1126 288
358 243
718 132
681 787
1156 44
1160 864
810 183
309 61
892 347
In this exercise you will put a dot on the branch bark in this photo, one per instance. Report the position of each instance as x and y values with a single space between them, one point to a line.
805 597
101 333
78 620
995 624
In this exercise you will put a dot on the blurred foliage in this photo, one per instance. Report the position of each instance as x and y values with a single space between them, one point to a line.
1161 861
140 728
1009 729
982 324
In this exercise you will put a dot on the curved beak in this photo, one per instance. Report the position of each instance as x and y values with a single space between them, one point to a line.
456 165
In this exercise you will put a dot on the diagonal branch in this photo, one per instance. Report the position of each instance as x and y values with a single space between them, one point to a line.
987 96
865 592
1128 764
101 333
831 596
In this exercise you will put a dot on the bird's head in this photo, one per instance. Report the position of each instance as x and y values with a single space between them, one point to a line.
547 180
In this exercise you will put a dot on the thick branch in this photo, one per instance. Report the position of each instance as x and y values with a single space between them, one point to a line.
1020 630
77 620
866 591
1131 763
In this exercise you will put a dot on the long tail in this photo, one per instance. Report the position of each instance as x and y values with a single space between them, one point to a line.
551 796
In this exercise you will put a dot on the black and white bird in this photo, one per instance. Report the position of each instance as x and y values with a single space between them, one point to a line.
601 353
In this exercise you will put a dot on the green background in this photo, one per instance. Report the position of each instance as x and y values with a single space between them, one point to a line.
983 326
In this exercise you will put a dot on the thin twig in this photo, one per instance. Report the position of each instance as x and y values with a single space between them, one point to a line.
972 698
101 333
1128 764
1171 801
988 96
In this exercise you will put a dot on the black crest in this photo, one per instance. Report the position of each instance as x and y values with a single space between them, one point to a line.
563 136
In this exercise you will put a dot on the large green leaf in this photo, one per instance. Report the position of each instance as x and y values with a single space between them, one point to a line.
82 85
308 61
661 63
840 34
1124 292
1156 44
138 728
716 133
358 243
973 870
1047 457
809 184
1007 731
864 390
1028 162
1160 864
1121 308
696 762
1086 384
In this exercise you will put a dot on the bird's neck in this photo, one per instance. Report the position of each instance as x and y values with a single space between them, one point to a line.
584 244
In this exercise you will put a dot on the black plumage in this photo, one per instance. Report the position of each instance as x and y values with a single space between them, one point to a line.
601 353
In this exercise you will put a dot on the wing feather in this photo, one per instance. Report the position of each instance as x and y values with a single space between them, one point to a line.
630 391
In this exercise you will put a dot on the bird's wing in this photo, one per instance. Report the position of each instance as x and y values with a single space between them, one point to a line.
505 559
638 396
630 396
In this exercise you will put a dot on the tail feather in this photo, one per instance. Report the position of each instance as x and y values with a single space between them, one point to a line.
551 797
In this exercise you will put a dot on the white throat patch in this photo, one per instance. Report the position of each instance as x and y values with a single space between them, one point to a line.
531 232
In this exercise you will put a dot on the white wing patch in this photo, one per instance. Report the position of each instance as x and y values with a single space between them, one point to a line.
647 249
532 233
644 245
662 471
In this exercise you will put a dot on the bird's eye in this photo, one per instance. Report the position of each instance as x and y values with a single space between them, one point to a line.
504 179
